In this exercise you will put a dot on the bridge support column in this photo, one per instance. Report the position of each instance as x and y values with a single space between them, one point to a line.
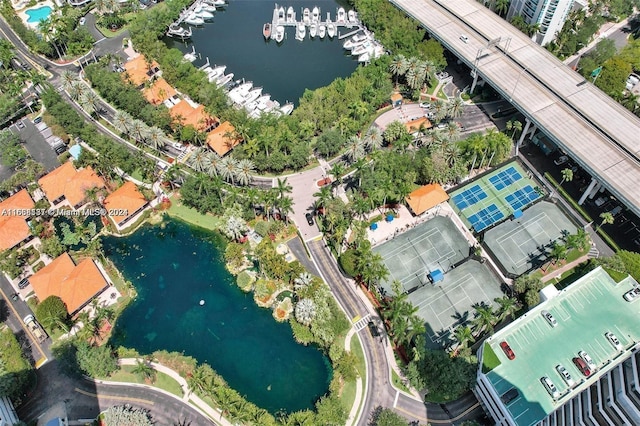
587 191
524 133
475 81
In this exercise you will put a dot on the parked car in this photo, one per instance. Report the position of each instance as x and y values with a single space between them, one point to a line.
20 124
582 366
425 105
550 318
82 21
23 283
509 396
613 340
37 120
309 218
585 356
632 295
507 350
565 375
561 160
373 329
464 38
38 332
550 387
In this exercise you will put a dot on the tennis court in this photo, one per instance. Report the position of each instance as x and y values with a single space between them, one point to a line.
495 196
522 244
410 256
450 302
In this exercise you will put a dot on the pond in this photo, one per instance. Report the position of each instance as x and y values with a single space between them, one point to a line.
234 38
173 267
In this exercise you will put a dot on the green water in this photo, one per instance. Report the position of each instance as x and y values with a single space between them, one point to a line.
174 266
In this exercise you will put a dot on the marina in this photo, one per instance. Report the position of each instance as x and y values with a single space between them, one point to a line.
312 20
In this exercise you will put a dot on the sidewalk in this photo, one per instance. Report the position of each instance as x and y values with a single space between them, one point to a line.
558 272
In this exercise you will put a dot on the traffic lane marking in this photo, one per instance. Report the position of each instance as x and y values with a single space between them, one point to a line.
107 396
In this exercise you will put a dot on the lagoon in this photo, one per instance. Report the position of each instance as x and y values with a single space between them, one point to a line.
173 266
234 38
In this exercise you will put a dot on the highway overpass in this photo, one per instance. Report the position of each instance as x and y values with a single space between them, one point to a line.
602 136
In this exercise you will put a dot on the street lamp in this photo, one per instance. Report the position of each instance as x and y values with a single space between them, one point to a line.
516 85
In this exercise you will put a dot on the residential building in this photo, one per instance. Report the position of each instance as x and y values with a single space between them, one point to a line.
14 217
68 186
426 197
547 342
8 415
138 71
223 138
160 92
124 204
75 284
414 127
549 15
187 113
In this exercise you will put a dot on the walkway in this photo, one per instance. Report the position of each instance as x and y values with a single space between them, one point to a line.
569 266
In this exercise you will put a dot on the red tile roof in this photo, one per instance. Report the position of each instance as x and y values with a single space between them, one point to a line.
127 199
425 197
218 140
13 222
67 181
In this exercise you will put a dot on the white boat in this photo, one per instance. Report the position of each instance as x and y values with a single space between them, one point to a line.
351 16
287 108
313 30
365 57
191 56
305 16
199 10
355 41
291 17
208 7
178 31
360 49
263 99
322 31
216 72
251 106
279 33
216 3
315 14
224 79
194 19
378 51
331 29
253 94
340 17
280 14
301 31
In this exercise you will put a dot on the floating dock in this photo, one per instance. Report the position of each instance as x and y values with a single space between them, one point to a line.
282 17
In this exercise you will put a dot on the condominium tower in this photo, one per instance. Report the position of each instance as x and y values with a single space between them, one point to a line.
548 14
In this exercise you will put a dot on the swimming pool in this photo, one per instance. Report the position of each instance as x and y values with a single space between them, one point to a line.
39 14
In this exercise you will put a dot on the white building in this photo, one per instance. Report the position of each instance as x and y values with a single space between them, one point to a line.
514 361
548 14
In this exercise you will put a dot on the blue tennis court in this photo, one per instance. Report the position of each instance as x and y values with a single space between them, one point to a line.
469 197
485 217
505 178
522 197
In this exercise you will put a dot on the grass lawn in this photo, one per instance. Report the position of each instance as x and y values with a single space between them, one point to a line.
397 381
489 359
137 175
190 215
163 381
348 395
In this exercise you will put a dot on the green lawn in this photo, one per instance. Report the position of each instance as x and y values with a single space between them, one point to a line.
163 381
397 381
489 359
348 395
190 215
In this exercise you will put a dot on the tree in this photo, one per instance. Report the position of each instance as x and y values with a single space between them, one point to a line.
302 280
387 417
283 187
514 126
126 415
305 311
558 252
455 107
567 175
463 336
355 149
398 67
144 370
235 228
96 361
245 168
52 314
156 138
508 307
373 139
484 319
502 6
607 219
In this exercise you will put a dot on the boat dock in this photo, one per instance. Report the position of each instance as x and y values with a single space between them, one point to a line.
310 17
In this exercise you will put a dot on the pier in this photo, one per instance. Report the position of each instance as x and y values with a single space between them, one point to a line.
287 17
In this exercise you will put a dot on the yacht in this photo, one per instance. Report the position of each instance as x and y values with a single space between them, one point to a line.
178 31
340 18
251 106
351 16
194 19
365 57
305 16
361 48
313 30
287 108
315 14
266 31
355 41
217 3
253 94
322 31
191 56
238 94
199 10
208 7
291 16
224 79
280 14
331 29
279 33
301 31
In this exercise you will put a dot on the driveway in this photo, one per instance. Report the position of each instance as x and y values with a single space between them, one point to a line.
304 185
90 25
37 146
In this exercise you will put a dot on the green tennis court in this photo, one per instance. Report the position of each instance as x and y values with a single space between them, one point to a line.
495 196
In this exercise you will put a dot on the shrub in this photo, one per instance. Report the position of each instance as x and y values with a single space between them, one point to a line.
348 262
52 313
245 281
262 228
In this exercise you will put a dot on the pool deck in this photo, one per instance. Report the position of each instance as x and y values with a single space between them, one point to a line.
585 311
21 10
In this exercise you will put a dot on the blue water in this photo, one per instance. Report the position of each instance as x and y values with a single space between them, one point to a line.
173 266
39 14
234 38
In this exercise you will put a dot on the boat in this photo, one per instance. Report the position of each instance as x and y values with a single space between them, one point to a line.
305 16
224 79
313 30
301 31
216 3
322 31
266 30
191 56
340 17
355 41
208 7
280 14
315 14
378 51
215 72
239 93
287 108
279 33
331 29
251 106
253 94
365 57
194 19
360 49
351 16
291 16
207 16
178 31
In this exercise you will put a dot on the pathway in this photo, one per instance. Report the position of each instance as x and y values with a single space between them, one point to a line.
558 272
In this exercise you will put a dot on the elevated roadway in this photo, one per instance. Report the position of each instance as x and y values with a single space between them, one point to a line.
602 136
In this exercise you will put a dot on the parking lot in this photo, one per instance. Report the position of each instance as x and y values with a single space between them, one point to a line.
36 144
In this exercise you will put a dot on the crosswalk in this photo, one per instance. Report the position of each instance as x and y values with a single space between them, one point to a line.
361 323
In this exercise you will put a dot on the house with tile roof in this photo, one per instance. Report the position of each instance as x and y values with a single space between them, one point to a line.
223 139
188 113
14 215
138 71
159 92
415 126
124 204
426 197
66 184
75 284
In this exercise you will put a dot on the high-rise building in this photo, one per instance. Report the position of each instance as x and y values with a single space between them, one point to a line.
572 360
548 14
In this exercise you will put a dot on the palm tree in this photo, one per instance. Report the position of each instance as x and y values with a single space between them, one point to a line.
439 107
558 252
245 169
198 160
201 378
324 196
155 137
463 336
455 107
283 187
302 280
398 67
508 306
139 131
355 148
229 169
607 219
514 125
67 78
359 109
567 175
484 319
45 27
212 163
122 121
77 89
373 139
90 101
452 131
235 228
337 171
285 207
305 311
502 6
144 370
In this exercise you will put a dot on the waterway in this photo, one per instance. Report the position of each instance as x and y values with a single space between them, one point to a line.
234 38
173 266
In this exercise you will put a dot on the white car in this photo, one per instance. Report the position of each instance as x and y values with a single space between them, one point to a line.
586 358
613 340
550 387
550 318
82 21
565 375
425 105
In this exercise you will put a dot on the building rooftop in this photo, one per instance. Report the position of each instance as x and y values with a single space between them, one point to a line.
186 114
585 311
159 92
137 70
75 285
72 183
425 197
219 139
127 198
414 126
13 227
